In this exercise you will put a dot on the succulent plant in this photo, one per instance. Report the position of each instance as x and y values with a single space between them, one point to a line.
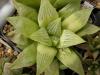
46 31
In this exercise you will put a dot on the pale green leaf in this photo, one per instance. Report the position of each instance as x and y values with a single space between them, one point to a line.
31 3
23 25
54 28
52 1
8 71
77 20
55 40
45 56
42 37
69 38
2 62
88 29
69 9
25 58
21 41
53 69
71 60
62 3
26 11
47 13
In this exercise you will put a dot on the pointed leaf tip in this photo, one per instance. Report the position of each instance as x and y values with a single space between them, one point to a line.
53 69
70 8
25 11
77 20
45 56
23 25
54 28
42 37
71 60
88 29
47 13
69 38
25 58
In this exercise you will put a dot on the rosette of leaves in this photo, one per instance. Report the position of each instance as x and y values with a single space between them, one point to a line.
52 29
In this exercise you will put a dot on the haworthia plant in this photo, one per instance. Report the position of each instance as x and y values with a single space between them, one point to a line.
42 37
26 11
55 40
88 29
52 1
68 39
23 25
47 13
21 40
2 62
77 20
70 8
8 71
45 56
71 57
54 28
62 3
53 69
55 31
26 58
31 3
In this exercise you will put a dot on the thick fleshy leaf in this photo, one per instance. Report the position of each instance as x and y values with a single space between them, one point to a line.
45 56
26 11
88 29
54 28
25 58
62 66
77 20
21 40
53 69
71 60
7 70
69 38
47 13
42 37
69 9
62 3
52 1
23 25
2 62
31 3
55 40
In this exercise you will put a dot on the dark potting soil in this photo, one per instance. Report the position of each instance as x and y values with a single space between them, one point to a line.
96 16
